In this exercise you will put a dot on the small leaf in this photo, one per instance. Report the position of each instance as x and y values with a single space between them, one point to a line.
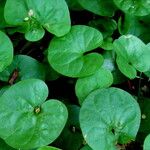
147 143
66 54
26 67
134 7
38 14
109 116
84 86
132 55
6 51
27 120
99 7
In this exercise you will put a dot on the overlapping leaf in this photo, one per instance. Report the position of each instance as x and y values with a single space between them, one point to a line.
109 116
27 121
38 14
6 51
66 54
132 55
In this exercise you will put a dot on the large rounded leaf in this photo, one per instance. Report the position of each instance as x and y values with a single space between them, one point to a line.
134 7
132 55
66 54
52 15
6 51
109 116
26 120
23 67
101 79
147 143
99 7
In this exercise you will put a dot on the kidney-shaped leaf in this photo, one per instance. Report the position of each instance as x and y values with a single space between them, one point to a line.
6 51
147 143
101 79
134 7
132 55
99 7
66 54
52 15
109 116
23 67
26 120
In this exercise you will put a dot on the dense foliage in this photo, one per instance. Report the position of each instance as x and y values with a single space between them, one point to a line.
74 74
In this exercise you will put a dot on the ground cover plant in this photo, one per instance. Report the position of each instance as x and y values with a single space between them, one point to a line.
74 75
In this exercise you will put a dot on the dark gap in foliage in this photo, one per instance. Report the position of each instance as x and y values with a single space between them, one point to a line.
63 88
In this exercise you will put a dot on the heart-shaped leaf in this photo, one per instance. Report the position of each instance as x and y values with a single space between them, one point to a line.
39 14
109 116
23 67
84 86
99 7
147 143
6 51
132 55
134 7
27 121
66 54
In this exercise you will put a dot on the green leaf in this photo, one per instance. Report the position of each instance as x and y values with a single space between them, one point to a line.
27 120
99 7
48 148
2 20
134 7
67 54
84 86
147 73
6 51
106 25
39 14
26 67
109 64
137 26
147 143
109 116
3 89
74 5
4 146
107 44
127 69
132 55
